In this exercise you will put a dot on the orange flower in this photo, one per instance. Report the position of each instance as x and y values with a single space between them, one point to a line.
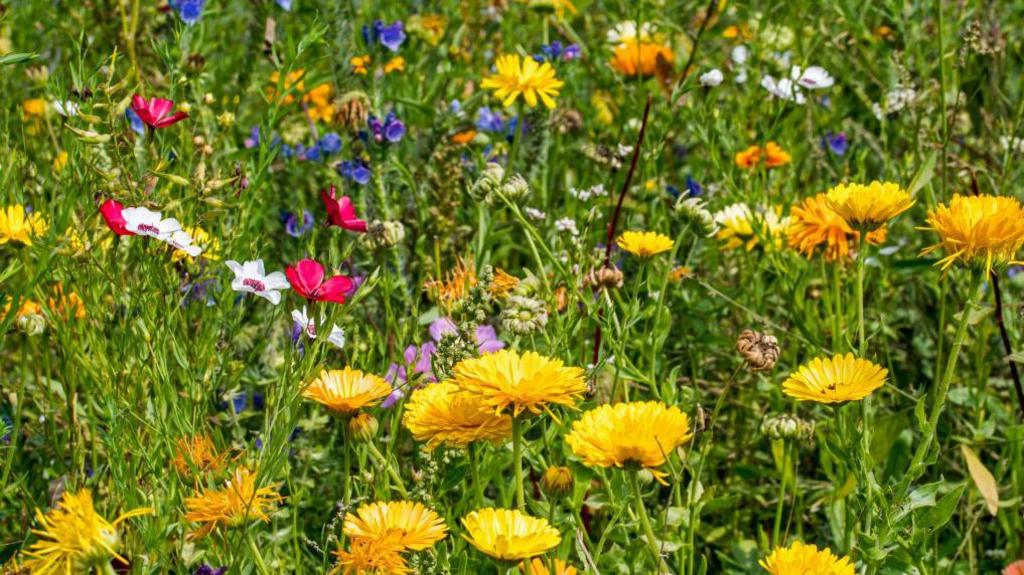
463 138
197 453
748 158
632 57
66 306
772 154
360 64
396 64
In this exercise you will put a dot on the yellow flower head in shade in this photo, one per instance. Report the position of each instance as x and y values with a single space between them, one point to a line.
804 558
346 391
197 453
632 58
523 382
740 226
73 538
370 557
869 206
540 567
509 534
645 244
835 380
430 27
406 524
523 76
814 225
396 64
641 432
978 230
18 226
441 413
237 503
36 107
455 285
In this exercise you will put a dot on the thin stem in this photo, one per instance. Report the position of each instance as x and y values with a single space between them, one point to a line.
517 461
641 511
474 471
256 555
781 504
1004 335
865 406
396 478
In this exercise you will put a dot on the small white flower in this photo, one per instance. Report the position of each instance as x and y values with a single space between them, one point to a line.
567 225
739 54
146 222
67 108
627 31
337 337
813 78
711 78
534 214
741 76
784 89
250 277
586 194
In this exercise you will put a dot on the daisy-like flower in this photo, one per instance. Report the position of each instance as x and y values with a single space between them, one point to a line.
509 534
440 413
19 225
524 382
739 225
370 557
197 453
455 285
250 277
346 391
640 433
869 206
813 225
407 524
984 231
73 538
645 244
644 58
540 567
518 76
803 558
627 31
239 502
835 380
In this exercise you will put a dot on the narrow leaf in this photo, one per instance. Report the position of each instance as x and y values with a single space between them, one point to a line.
983 479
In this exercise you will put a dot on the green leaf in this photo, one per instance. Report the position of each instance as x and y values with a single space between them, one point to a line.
924 174
16 58
942 512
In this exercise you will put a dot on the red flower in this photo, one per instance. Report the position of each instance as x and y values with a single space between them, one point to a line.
111 212
341 212
154 113
307 279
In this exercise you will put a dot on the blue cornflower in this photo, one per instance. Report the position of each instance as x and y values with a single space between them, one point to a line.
136 123
488 121
391 129
356 171
836 143
188 10
391 36
330 143
693 187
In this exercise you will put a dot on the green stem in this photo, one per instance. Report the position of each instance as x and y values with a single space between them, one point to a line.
862 350
515 143
257 557
780 505
517 461
641 511
478 487
396 478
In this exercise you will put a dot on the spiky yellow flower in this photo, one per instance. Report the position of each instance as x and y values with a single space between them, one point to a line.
645 244
641 58
641 433
523 76
345 391
18 226
540 567
529 381
73 538
455 284
197 453
985 230
869 206
370 557
835 380
405 524
804 558
813 225
509 534
441 413
238 503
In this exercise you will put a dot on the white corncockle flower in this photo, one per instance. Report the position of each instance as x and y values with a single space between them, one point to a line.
67 108
711 78
337 337
146 222
534 214
250 277
813 78
567 225
739 55
784 89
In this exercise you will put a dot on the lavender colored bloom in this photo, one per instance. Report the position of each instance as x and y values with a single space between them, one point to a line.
488 121
188 10
836 143
391 129
487 339
571 52
391 36
253 140
356 171
295 227
135 122
556 51
205 569
394 397
286 5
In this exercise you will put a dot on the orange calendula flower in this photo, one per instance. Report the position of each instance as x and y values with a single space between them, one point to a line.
239 502
813 225
464 137
984 231
528 382
524 77
409 525
371 557
455 285
396 64
502 283
632 58
197 453
540 567
772 154
346 391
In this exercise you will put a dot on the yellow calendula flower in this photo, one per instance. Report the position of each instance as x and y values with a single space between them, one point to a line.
406 524
73 538
239 502
813 225
17 225
645 244
804 558
739 225
441 413
370 557
984 230
523 76
835 380
346 391
632 58
197 453
869 206
505 379
540 567
509 534
640 433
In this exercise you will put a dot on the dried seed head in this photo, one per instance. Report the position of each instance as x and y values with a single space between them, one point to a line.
605 277
787 427
759 350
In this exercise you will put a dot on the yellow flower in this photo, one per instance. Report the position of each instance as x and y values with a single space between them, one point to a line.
293 81
430 27
34 108
66 306
523 382
455 285
370 557
238 503
749 157
835 380
320 103
509 533
360 64
814 224
978 230
643 58
396 64
197 453
441 413
502 283
60 161
804 558
560 7
645 244
18 226
346 391
740 226
523 76
74 538
540 567
405 524
641 432
604 105
869 206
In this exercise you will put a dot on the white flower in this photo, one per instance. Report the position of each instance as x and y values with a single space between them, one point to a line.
146 222
67 108
784 89
250 277
627 31
813 78
741 76
584 195
567 225
337 337
181 240
739 54
534 214
711 78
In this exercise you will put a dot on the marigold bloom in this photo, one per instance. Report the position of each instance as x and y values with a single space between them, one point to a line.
17 225
74 538
869 206
346 391
540 567
803 558
396 64
640 432
772 154
985 230
632 58
835 380
509 533
441 413
645 244
406 524
197 453
370 557
455 285
238 503
360 64
523 76
814 224
523 382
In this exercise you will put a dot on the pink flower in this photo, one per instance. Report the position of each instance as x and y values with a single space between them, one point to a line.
1015 568
111 212
341 212
307 279
154 113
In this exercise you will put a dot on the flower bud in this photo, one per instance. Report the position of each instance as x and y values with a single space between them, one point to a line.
363 427
607 277
556 481
515 189
787 427
488 183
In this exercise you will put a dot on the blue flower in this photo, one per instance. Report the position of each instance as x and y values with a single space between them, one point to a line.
205 569
136 123
330 143
239 401
285 4
391 36
837 143
693 187
488 121
295 227
391 129
356 171
188 10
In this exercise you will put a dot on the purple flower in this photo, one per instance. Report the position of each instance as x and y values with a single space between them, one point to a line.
330 143
556 50
693 187
253 140
391 36
837 143
391 129
205 569
356 171
295 227
486 338
188 10
488 121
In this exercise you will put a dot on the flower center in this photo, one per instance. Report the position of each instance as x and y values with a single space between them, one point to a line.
148 228
254 284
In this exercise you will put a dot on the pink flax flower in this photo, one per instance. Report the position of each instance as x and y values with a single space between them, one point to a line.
307 279
111 212
156 112
341 212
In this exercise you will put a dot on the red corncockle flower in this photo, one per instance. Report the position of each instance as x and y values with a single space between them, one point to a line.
111 212
307 279
154 112
341 212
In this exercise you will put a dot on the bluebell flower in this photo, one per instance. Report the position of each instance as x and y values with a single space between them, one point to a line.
693 187
356 171
188 10
330 143
836 143
136 123
391 36
295 226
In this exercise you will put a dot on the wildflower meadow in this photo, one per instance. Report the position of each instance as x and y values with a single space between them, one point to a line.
513 287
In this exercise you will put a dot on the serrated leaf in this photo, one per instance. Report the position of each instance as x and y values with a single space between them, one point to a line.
983 479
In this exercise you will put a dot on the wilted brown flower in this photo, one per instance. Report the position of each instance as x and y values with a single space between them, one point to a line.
566 121
353 110
605 277
760 350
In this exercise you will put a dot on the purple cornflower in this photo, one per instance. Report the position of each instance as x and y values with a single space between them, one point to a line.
391 129
693 187
356 171
488 121
556 51
295 227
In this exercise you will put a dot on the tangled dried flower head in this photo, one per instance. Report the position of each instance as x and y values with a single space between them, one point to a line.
604 278
759 350
353 110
